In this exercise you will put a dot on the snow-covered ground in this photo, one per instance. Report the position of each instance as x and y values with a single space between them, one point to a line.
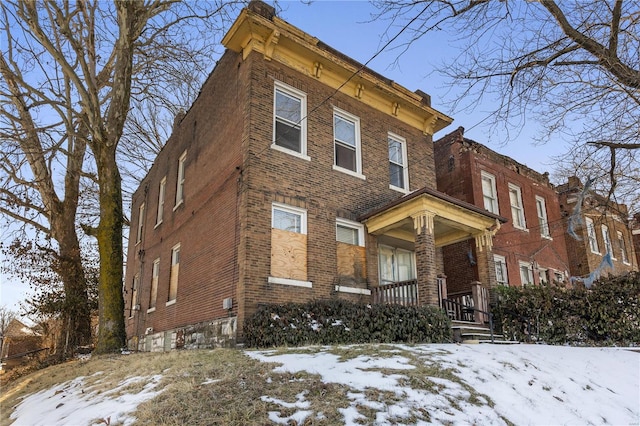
522 384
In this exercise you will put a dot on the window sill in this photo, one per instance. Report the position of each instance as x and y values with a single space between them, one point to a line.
178 205
397 188
290 152
157 225
547 237
170 302
596 252
287 281
349 172
520 228
150 310
353 290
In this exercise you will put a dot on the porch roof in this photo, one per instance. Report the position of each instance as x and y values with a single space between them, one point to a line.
453 220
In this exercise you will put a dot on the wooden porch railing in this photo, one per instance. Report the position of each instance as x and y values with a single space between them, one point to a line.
470 306
401 293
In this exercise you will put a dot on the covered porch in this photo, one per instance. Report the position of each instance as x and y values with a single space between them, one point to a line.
409 235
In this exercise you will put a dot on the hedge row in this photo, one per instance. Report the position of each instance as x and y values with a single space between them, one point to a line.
606 314
342 322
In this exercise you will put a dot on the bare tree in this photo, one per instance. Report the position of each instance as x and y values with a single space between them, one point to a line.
89 63
572 65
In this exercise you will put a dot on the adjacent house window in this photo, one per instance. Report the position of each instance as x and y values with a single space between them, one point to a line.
396 265
591 233
180 183
134 294
558 277
541 207
288 246
398 170
526 273
623 247
155 276
543 273
489 193
289 120
173 279
607 240
349 232
501 269
161 194
140 223
346 137
517 211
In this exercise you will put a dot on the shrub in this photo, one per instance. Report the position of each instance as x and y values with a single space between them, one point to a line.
342 322
606 314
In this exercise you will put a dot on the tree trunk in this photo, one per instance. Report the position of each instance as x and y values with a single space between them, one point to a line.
111 332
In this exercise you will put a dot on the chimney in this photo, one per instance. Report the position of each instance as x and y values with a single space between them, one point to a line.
262 9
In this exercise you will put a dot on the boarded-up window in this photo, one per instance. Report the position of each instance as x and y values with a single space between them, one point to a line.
175 268
350 251
289 243
134 294
154 284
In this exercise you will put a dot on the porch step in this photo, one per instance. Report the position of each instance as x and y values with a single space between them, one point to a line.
474 333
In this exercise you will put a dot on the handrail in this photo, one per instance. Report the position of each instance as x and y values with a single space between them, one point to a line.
471 308
14 356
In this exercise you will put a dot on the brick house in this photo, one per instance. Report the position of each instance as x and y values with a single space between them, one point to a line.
530 248
635 236
297 174
603 230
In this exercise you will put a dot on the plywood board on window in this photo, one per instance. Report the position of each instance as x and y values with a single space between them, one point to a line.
352 261
288 255
173 282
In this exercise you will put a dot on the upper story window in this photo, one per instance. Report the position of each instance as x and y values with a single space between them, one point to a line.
346 137
155 277
501 269
140 223
623 247
489 193
289 120
541 207
349 232
517 210
607 240
180 182
591 233
175 269
289 218
398 168
161 194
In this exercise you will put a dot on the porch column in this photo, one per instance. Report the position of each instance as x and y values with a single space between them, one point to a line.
425 248
486 264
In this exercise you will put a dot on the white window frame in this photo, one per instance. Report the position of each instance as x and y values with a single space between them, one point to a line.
358 227
155 276
543 220
517 210
622 245
162 192
492 198
395 266
606 239
289 209
175 260
591 235
501 262
180 180
140 228
404 166
356 122
302 97
135 289
558 274
528 266
545 272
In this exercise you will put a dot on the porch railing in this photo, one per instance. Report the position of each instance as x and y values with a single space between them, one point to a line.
470 306
399 293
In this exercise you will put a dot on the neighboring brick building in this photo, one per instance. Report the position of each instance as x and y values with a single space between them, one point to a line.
635 236
530 248
603 227
297 174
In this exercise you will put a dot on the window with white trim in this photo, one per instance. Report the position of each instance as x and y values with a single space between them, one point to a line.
175 269
288 246
591 233
489 193
558 277
349 232
180 181
346 138
517 210
543 222
623 247
526 273
607 240
543 275
161 195
396 264
155 277
289 120
140 223
289 218
398 169
501 269
134 295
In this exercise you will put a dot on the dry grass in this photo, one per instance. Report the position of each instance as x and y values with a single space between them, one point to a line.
226 387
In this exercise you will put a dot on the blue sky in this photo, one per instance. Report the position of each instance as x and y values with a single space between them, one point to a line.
348 27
